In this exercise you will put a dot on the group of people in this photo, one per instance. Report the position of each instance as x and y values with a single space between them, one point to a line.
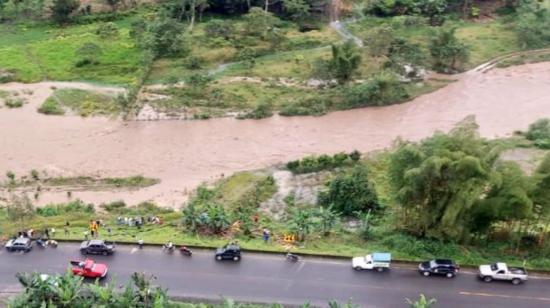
137 221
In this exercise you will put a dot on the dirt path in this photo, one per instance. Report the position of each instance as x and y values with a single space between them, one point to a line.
182 154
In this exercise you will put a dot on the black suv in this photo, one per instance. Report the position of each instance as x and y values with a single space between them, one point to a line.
19 244
444 267
97 247
228 252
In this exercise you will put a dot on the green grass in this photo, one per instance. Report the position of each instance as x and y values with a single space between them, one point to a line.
486 40
524 59
37 52
130 182
85 103
51 107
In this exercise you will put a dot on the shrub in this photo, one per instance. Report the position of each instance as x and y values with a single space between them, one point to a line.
219 28
533 27
323 162
262 110
76 206
539 133
193 62
383 89
350 193
51 107
107 30
317 105
35 175
113 206
448 53
379 40
14 102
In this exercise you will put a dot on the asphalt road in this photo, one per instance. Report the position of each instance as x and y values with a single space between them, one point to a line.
269 278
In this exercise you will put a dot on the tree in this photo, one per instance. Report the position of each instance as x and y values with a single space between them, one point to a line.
541 195
345 61
327 219
297 10
437 182
379 40
402 53
167 37
20 208
113 4
301 222
533 26
62 10
191 216
448 53
350 192
259 22
422 302
219 28
434 10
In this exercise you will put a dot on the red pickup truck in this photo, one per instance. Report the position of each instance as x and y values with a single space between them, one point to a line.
89 269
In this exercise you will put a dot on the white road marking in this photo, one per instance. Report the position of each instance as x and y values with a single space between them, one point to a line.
505 296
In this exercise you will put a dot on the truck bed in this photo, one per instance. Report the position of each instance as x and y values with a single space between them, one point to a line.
517 270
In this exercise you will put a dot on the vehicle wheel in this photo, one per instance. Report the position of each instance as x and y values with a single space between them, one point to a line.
236 258
83 252
516 281
450 275
380 269
426 274
357 268
105 253
219 258
487 279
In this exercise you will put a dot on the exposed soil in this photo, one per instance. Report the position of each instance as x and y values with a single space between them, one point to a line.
182 154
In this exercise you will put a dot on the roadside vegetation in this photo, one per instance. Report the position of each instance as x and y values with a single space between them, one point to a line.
238 60
69 290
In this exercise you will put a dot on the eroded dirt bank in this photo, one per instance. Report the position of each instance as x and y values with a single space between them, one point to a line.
182 154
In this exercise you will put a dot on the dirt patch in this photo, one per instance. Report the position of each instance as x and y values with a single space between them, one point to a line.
528 159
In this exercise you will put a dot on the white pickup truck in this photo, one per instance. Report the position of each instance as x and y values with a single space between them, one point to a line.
500 271
378 261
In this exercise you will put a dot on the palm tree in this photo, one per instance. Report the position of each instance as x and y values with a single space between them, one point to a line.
328 218
191 217
301 222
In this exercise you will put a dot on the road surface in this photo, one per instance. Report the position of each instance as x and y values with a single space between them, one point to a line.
269 278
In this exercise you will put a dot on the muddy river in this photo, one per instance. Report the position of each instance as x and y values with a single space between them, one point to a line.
182 154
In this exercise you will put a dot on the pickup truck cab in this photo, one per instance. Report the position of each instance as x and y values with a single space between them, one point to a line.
88 269
500 271
379 261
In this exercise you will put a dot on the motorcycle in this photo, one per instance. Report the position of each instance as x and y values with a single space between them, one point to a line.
168 247
51 243
185 251
292 257
41 243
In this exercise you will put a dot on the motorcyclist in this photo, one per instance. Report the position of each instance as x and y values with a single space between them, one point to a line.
169 246
185 250
290 256
40 242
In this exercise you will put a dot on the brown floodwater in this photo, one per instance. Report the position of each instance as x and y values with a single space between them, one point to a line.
182 154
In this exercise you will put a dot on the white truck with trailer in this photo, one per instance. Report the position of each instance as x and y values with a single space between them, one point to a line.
379 261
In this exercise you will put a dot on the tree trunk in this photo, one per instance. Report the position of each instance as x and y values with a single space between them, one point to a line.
192 22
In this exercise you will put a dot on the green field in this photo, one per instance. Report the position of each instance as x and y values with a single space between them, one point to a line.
36 52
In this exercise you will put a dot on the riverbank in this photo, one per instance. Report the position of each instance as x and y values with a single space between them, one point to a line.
183 154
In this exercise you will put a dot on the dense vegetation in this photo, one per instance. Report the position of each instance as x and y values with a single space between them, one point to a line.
237 57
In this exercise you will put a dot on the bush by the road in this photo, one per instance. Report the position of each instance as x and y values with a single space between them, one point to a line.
539 133
323 162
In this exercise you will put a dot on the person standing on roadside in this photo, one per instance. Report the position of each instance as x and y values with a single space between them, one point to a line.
47 233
